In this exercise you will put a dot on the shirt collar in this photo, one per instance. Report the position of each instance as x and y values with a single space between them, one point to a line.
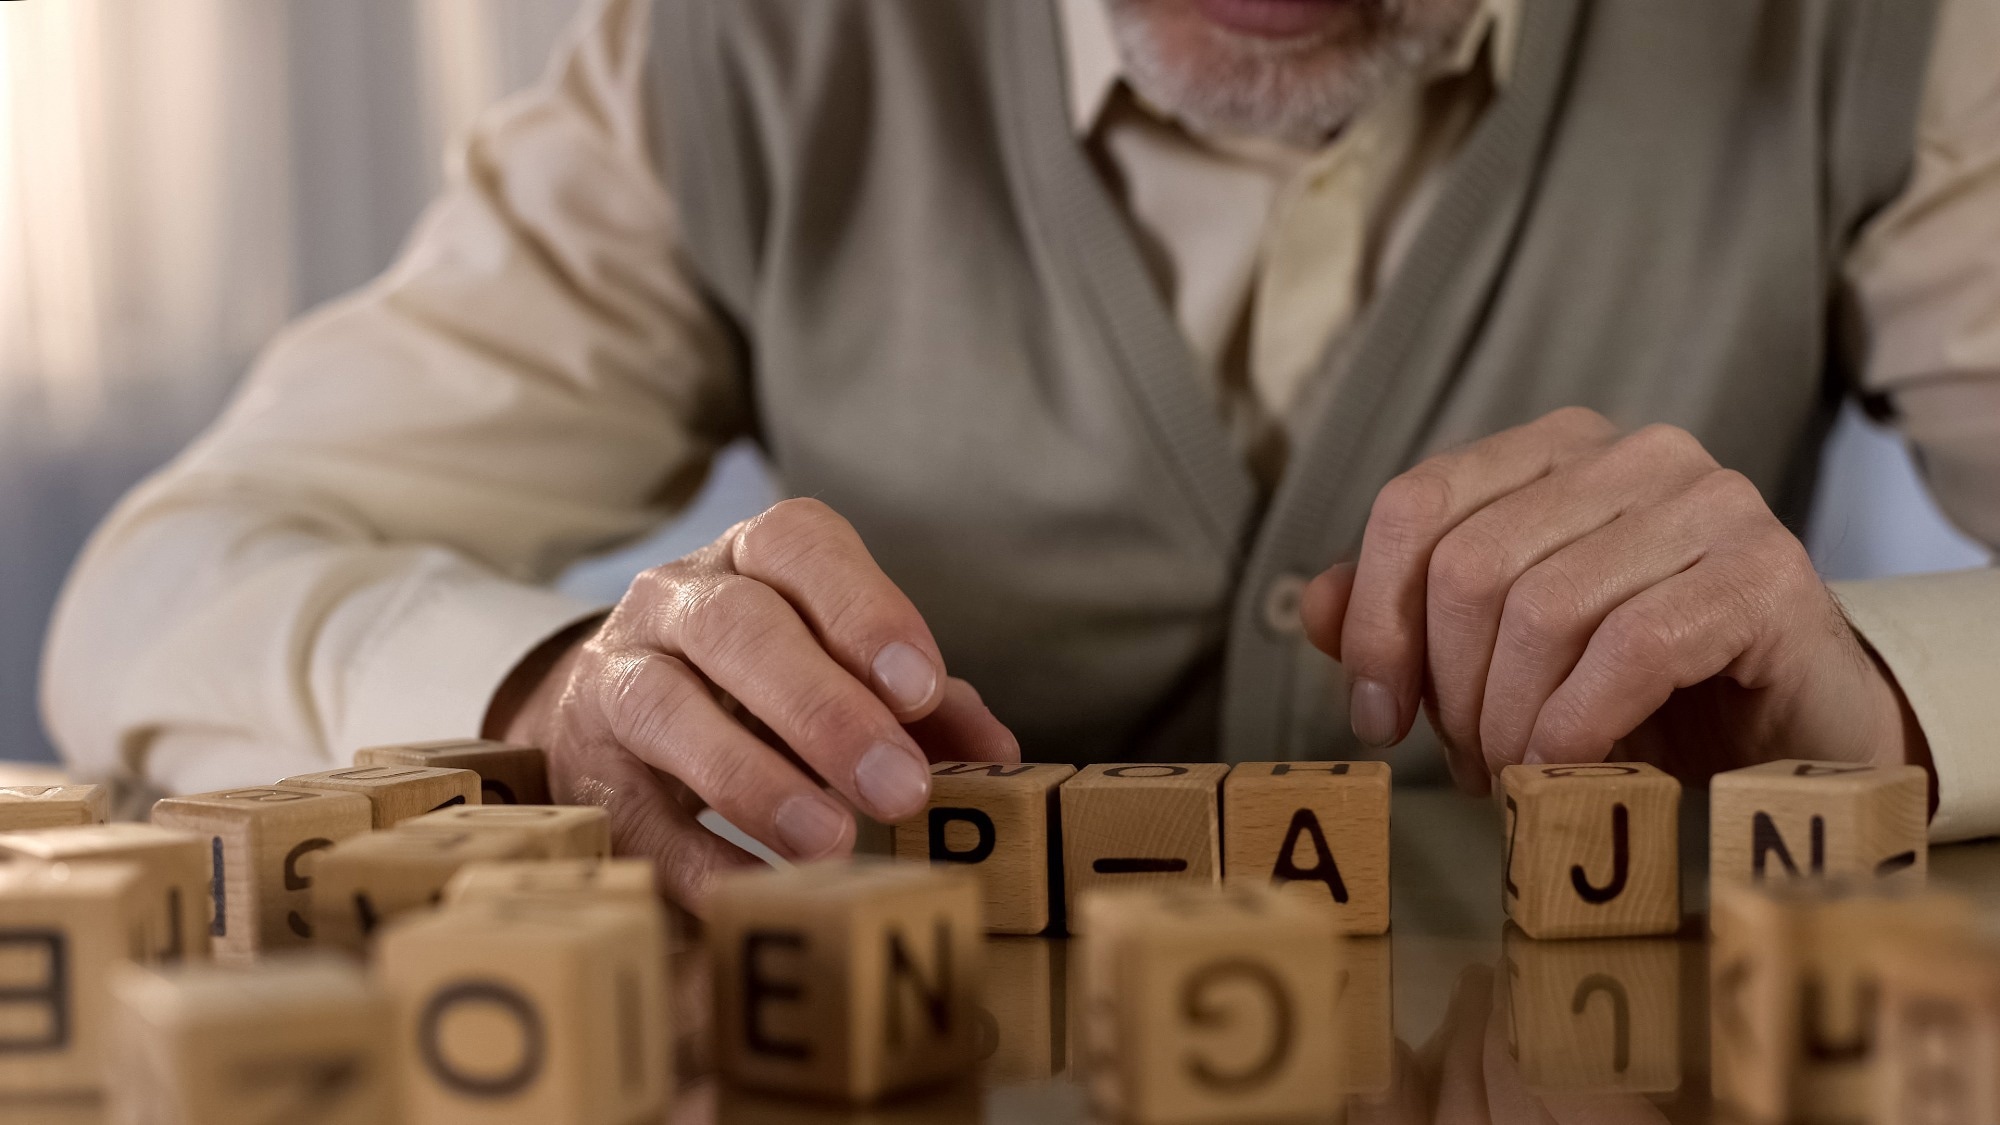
1094 68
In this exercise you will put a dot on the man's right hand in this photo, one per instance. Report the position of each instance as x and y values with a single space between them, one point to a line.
742 677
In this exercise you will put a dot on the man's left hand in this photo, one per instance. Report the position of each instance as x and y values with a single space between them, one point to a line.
1560 591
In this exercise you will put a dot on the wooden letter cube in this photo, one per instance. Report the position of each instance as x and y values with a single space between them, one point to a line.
1794 819
1592 850
363 882
63 928
526 1012
846 981
52 806
1140 825
557 831
1594 1016
397 793
508 774
616 880
1210 1004
262 847
305 1040
1002 822
174 870
1316 828
1939 1035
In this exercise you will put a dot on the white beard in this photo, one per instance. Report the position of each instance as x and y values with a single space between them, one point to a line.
1299 91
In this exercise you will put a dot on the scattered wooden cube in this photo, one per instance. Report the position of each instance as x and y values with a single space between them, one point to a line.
1001 821
363 882
174 869
1023 998
262 846
618 880
397 793
1597 1016
63 928
508 774
523 1011
1939 1034
1207 1004
1795 819
1140 825
558 831
1364 1011
52 806
846 981
1793 970
296 1040
1591 850
1317 828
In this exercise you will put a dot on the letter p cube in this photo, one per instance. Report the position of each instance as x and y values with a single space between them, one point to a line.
1000 822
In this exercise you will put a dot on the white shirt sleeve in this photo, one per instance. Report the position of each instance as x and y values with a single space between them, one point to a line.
357 551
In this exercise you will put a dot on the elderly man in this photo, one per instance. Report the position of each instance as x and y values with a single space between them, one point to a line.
1193 378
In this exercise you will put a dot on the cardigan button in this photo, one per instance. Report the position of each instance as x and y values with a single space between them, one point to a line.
1281 606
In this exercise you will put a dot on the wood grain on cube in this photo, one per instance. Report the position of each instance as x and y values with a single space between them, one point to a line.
508 774
301 1040
63 928
1939 1034
618 880
397 793
1591 850
1315 828
1798 819
174 868
1002 823
1023 995
557 831
263 845
846 981
1364 1013
1209 1004
1594 1016
1140 825
52 806
364 882
523 1012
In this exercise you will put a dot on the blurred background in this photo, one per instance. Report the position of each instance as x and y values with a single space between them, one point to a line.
178 178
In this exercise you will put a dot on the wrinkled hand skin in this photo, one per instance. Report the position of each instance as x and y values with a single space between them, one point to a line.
743 678
1562 592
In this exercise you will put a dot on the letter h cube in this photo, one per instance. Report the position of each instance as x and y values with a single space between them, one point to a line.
1591 850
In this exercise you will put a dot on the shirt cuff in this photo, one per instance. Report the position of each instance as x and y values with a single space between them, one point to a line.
429 670
1940 636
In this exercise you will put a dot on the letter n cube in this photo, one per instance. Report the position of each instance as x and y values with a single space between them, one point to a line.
1591 850
1210 1004
846 981
999 821
1796 819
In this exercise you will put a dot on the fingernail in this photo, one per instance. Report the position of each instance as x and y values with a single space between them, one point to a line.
1372 710
892 783
810 826
904 676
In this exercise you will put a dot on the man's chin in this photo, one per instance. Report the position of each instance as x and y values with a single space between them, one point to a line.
1281 19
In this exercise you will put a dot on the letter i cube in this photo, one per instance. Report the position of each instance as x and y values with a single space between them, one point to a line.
1591 850
1315 828
63 928
1798 819
1210 1004
263 844
1000 822
846 981
1140 824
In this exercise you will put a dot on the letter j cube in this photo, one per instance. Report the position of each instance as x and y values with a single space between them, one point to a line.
846 981
999 822
1592 850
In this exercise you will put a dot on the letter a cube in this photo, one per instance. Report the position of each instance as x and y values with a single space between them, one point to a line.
1138 825
530 1011
263 846
1797 819
1315 828
63 928
1210 1004
846 981
1591 850
1001 823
